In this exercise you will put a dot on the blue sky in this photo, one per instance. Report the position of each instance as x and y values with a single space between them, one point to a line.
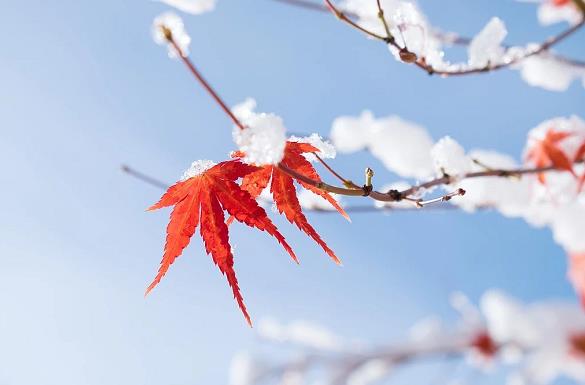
85 89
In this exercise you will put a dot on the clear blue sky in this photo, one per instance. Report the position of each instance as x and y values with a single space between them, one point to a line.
83 89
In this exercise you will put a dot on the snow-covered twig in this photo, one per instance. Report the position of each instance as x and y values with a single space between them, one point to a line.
448 38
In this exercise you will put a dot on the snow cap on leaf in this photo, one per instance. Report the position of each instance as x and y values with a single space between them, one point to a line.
263 138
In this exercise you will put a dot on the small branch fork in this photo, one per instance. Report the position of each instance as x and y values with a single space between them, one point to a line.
410 57
351 189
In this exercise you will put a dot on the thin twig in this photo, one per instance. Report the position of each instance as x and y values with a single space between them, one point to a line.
447 197
205 83
383 20
143 177
343 17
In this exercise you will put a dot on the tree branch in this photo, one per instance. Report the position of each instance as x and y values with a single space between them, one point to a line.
341 365
446 37
352 190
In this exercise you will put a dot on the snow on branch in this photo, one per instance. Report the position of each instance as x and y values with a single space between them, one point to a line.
534 343
545 188
412 39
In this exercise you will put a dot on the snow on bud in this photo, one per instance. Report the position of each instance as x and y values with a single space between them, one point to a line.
449 157
549 73
554 11
194 7
170 26
485 48
263 139
197 168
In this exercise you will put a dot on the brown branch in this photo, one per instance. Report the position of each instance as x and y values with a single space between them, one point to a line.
352 190
347 18
447 197
544 46
455 39
206 85
143 177
353 209
343 17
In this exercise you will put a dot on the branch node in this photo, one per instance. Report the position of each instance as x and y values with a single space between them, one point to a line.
395 195
167 33
367 190
407 56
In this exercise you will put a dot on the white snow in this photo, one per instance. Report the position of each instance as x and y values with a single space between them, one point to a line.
549 73
197 168
326 148
450 158
350 134
402 146
263 139
243 370
486 47
544 330
174 24
550 13
370 372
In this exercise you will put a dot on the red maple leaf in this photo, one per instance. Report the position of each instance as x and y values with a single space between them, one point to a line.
283 189
546 152
577 274
201 200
